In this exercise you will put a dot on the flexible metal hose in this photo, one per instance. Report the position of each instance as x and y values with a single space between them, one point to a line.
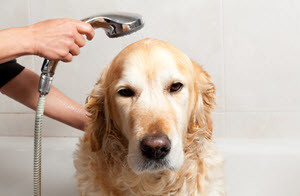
38 146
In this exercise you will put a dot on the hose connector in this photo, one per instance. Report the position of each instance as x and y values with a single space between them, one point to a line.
45 79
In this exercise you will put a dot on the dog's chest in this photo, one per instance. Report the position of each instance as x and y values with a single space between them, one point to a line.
160 184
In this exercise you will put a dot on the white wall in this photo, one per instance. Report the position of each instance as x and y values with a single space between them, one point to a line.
250 48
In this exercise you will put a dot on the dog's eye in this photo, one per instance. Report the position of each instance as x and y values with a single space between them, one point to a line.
126 92
175 87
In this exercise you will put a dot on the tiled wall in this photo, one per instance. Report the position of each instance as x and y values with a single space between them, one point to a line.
250 48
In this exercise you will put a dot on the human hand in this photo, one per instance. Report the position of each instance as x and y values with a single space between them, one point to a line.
58 39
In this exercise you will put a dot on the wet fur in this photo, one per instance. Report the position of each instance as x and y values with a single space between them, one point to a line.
100 160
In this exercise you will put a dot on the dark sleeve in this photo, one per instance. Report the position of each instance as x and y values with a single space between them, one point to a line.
8 71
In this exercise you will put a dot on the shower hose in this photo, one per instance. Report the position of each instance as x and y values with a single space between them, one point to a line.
38 146
44 87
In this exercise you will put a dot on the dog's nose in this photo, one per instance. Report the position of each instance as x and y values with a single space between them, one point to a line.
155 146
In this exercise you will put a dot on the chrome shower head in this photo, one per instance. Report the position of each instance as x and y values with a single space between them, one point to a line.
116 24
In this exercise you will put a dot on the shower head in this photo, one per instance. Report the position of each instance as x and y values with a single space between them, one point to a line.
116 24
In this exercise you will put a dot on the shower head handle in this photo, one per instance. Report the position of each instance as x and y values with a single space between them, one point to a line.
114 24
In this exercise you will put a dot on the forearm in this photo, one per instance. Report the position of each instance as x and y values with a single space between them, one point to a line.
23 88
15 42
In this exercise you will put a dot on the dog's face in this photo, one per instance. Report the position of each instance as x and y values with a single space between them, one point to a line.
150 96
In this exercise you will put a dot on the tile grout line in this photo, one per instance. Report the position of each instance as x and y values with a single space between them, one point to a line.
29 12
17 113
30 23
31 136
223 63
222 50
214 112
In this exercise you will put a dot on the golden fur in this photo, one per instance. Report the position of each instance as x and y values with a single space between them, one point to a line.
100 160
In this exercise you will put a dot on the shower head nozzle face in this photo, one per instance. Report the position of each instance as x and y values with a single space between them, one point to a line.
116 25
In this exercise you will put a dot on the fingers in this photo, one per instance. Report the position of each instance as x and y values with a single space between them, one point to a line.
71 49
86 29
63 41
67 58
74 49
79 40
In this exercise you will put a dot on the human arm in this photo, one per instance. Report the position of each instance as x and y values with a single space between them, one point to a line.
23 88
56 39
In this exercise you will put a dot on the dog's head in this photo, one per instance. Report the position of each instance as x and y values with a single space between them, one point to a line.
154 99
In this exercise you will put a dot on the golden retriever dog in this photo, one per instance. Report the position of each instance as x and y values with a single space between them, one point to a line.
150 127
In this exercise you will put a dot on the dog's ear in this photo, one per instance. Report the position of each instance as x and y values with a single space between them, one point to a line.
95 106
204 101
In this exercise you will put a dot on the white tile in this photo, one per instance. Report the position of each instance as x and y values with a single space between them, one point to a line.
197 33
261 167
262 44
219 126
26 61
14 13
263 125
57 166
23 125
